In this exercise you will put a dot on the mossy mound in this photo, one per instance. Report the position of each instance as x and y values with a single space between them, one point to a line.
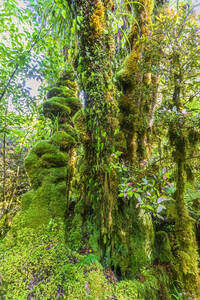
43 147
63 140
73 103
56 107
40 266
62 107
46 160
49 160
69 130
62 91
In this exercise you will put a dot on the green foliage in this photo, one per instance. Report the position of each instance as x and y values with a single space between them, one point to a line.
146 191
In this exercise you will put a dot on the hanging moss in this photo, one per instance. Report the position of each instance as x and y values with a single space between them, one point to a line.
163 248
139 90
186 256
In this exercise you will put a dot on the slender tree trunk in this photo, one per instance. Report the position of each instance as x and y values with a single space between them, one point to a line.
186 247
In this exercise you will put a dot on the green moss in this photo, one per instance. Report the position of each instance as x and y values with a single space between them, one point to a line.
38 167
74 235
61 106
49 160
120 142
53 174
31 164
130 257
163 248
56 106
151 284
44 155
63 140
69 130
48 201
43 147
81 127
62 91
27 199
55 91
73 103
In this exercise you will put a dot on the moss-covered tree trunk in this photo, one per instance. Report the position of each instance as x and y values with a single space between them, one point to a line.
186 255
121 233
139 87
93 65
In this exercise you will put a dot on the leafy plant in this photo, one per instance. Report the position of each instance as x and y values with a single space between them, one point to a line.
147 192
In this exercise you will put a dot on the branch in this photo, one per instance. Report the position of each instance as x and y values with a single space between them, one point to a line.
192 97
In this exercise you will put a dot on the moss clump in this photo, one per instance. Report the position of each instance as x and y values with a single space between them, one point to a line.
98 19
62 91
49 160
55 91
69 130
73 103
63 140
31 164
43 147
163 247
53 174
56 107
42 157
61 106
151 284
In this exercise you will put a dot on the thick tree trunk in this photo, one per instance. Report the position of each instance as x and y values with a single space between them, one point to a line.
95 55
